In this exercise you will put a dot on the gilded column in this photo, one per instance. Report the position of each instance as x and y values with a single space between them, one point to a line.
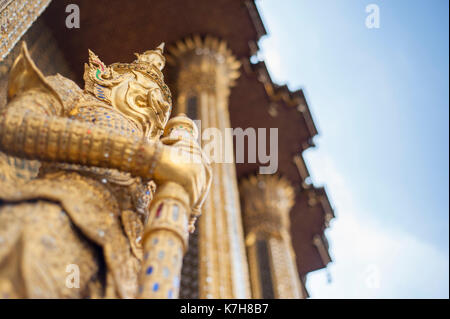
206 70
267 200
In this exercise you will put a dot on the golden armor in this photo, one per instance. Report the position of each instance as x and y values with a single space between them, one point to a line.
102 160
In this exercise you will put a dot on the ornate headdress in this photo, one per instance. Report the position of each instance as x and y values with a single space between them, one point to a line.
99 78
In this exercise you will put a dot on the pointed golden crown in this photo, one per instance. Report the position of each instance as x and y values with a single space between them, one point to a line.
150 63
155 58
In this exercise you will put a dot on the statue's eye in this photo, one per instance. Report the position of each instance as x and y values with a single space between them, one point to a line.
141 101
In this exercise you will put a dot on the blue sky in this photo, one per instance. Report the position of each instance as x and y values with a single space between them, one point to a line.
380 100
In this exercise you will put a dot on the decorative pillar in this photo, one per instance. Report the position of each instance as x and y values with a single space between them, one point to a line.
205 72
267 200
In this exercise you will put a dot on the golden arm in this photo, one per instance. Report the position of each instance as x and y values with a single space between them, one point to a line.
166 235
33 134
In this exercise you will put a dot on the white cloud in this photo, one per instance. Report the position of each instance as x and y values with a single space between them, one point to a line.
371 261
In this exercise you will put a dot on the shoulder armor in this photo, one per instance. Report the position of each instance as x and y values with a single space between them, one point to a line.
25 76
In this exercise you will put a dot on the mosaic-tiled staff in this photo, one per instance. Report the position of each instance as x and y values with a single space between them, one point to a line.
166 234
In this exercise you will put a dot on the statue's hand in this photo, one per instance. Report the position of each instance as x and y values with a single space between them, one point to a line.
183 162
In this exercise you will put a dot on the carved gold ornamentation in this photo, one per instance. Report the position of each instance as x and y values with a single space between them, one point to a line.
50 59
100 80
209 61
98 156
267 201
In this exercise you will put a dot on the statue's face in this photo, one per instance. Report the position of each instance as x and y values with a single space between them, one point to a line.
141 98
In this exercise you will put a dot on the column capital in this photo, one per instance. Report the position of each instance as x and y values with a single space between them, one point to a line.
203 63
267 200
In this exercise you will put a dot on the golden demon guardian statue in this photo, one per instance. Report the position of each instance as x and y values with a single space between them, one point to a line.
92 214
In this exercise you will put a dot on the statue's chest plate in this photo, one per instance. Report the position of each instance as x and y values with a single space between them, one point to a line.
107 118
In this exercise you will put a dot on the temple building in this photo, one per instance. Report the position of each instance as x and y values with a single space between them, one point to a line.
260 232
